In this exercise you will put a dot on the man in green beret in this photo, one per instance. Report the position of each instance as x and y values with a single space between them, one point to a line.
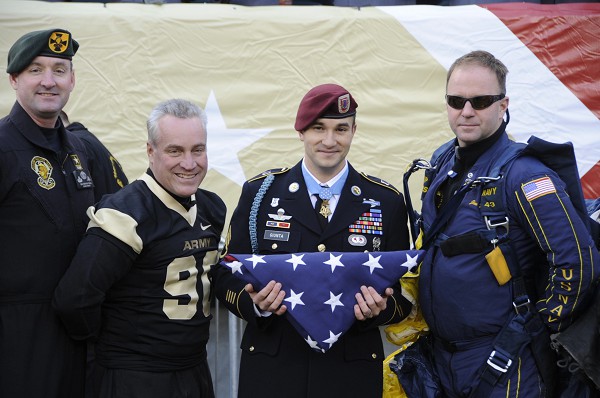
45 189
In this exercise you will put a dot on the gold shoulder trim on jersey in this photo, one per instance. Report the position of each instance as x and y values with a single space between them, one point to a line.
379 181
267 172
119 225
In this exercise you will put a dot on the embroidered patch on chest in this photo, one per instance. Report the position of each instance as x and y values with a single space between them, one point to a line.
43 168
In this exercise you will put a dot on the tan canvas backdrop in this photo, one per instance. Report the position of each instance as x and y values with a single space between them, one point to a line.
258 62
250 66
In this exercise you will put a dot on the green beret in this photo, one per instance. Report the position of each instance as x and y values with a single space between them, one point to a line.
49 43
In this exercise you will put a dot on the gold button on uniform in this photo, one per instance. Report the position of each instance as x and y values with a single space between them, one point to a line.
251 348
274 246
321 247
374 355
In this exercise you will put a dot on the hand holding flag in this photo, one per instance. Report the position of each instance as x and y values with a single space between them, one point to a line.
320 287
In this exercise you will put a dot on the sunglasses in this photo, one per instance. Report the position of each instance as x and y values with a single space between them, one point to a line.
478 103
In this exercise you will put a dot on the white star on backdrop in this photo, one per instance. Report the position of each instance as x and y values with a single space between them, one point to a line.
255 260
296 260
295 298
334 301
224 144
373 262
334 261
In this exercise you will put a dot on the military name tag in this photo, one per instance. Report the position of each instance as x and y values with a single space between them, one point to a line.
277 235
82 179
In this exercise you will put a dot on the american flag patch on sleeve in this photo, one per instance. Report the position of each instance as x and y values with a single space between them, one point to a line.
536 188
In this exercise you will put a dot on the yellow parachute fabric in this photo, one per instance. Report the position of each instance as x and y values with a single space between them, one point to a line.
413 326
391 385
404 333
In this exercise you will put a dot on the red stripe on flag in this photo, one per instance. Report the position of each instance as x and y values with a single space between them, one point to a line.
565 38
590 182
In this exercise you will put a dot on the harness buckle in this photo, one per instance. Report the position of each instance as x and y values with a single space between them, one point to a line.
519 306
493 225
499 361
418 164
484 180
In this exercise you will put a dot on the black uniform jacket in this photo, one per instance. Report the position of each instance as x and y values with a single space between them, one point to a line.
43 199
107 173
275 358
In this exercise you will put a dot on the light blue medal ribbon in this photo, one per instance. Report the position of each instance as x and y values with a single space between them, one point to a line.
325 192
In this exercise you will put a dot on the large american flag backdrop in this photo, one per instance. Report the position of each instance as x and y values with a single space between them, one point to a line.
250 66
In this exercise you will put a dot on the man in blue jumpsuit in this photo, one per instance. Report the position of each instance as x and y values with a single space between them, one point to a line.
361 213
45 190
138 282
464 303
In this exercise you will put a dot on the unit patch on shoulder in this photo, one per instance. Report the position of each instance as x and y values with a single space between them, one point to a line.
43 168
380 182
269 172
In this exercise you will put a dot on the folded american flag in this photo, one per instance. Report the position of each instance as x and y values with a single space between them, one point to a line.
320 286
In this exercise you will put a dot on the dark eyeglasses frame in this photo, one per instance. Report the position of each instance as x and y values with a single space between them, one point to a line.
478 103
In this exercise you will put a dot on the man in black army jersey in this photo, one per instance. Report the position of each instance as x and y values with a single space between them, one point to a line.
138 282
280 211
45 190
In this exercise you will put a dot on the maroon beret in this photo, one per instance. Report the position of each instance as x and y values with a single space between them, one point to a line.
325 101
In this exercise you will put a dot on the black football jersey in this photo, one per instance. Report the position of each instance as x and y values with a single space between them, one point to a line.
154 290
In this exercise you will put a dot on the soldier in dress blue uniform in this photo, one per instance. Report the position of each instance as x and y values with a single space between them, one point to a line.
45 189
320 204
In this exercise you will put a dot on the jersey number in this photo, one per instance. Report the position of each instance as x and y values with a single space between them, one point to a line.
181 280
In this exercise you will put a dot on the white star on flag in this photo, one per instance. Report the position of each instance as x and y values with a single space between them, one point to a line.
311 343
236 266
334 261
295 298
296 260
334 301
327 298
373 263
332 338
255 260
227 161
410 262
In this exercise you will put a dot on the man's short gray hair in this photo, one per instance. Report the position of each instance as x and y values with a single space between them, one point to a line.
179 108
